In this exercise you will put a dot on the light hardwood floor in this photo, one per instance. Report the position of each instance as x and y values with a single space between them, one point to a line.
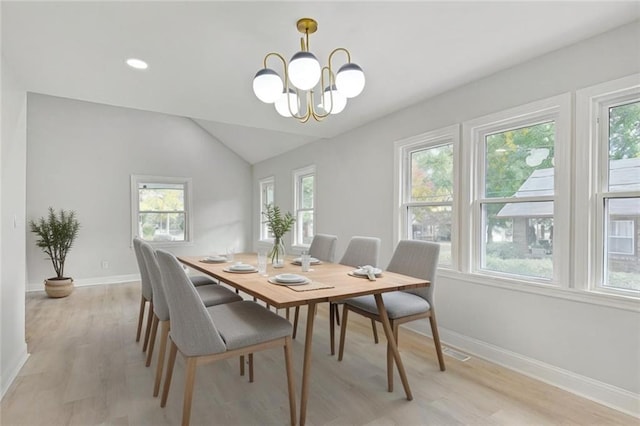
85 368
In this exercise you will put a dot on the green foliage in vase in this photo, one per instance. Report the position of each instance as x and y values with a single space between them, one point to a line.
278 224
56 234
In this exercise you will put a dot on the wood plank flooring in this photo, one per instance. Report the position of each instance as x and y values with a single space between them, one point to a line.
85 368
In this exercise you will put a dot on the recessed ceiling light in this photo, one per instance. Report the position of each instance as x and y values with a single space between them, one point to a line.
138 64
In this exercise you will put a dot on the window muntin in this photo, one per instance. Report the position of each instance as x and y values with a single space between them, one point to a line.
426 189
161 208
620 196
515 202
267 196
304 199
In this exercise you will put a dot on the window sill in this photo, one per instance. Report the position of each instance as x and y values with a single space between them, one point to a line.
577 295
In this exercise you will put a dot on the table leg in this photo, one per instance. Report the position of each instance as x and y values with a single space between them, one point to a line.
306 369
391 341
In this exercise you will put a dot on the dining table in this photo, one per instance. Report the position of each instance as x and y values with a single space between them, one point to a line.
328 282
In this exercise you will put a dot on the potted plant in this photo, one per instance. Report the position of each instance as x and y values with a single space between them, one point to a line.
278 226
56 234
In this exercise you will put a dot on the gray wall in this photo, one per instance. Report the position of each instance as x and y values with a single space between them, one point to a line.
590 349
81 155
13 348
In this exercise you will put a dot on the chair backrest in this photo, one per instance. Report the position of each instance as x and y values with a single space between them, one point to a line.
160 306
323 247
145 284
417 259
192 329
362 251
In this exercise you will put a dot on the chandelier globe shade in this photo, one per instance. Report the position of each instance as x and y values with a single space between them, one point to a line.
267 85
284 102
350 80
305 88
334 102
304 70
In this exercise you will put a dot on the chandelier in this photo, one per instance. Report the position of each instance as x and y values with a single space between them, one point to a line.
309 90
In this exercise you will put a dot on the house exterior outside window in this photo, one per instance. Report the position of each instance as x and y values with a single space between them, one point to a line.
161 209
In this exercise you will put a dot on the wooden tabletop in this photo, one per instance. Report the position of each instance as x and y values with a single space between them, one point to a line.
280 296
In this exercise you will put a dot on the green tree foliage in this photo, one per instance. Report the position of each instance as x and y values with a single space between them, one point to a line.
432 174
624 131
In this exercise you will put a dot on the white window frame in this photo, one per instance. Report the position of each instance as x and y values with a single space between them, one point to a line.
557 109
135 205
262 188
591 177
298 175
403 149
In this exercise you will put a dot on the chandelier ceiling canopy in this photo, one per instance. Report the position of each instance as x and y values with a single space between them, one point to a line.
307 89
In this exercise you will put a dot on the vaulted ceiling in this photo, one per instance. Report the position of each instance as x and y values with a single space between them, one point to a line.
203 55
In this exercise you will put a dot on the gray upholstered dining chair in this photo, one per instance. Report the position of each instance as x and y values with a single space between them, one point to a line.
147 292
204 335
323 247
360 251
210 295
414 258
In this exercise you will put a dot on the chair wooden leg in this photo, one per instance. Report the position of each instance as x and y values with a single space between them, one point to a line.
250 368
343 331
295 322
288 313
375 331
436 339
167 380
388 332
190 378
394 328
242 365
332 327
152 339
290 384
148 329
164 334
140 317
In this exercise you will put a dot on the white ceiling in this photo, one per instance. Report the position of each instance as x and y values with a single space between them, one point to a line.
203 55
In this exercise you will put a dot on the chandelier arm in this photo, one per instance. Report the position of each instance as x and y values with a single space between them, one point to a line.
284 61
312 108
339 49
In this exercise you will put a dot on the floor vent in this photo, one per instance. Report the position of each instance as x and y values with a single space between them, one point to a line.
455 354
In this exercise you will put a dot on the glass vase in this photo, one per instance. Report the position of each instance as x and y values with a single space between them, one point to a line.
277 253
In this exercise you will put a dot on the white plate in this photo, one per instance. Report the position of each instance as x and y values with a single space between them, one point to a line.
214 259
241 267
363 272
312 261
290 278
274 281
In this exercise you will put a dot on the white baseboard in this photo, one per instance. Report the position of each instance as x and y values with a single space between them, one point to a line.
600 392
83 282
9 374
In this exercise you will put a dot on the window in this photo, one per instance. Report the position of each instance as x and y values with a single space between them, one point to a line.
618 195
304 201
519 208
607 258
267 196
427 188
161 208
